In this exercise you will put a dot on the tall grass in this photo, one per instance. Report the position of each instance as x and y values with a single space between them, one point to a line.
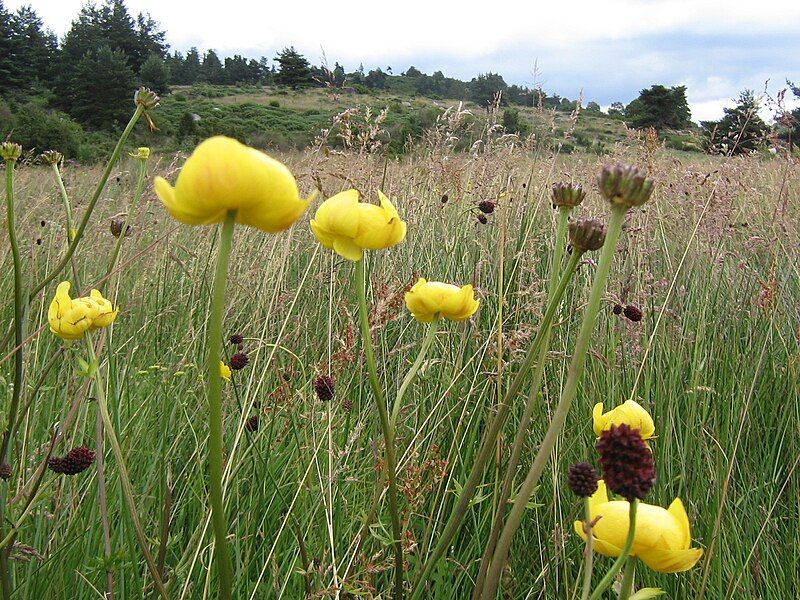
712 260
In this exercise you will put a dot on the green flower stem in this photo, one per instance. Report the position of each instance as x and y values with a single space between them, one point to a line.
73 244
140 181
19 365
388 438
574 376
223 557
627 578
412 372
626 550
487 445
127 489
536 384
588 552
65 199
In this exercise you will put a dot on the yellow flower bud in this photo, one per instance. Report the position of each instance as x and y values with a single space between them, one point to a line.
349 227
429 300
69 319
224 371
224 175
630 413
142 153
662 539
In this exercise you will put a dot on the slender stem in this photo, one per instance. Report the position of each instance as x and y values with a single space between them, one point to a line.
65 199
101 496
574 376
412 372
626 550
127 488
73 244
214 379
588 551
140 181
487 445
536 384
19 365
388 437
627 578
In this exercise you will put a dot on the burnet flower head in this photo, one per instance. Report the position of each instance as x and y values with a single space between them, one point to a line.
348 226
224 175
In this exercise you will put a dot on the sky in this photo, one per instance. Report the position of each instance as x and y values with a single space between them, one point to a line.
607 50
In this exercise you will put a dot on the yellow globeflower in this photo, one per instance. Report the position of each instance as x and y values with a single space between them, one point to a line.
662 539
630 413
429 300
349 227
224 371
69 319
224 175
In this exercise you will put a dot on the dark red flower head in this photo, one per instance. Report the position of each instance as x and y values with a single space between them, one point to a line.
251 424
239 361
324 387
582 479
5 471
617 309
626 462
486 207
633 313
73 462
483 220
236 339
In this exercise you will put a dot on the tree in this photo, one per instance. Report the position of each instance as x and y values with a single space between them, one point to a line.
740 131
512 122
593 107
376 79
659 107
101 90
485 87
294 70
155 74
9 69
616 110
211 71
35 49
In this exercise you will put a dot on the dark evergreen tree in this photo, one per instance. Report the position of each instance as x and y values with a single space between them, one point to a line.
376 79
191 69
35 49
740 131
9 68
485 87
236 70
211 70
659 107
155 74
102 89
294 70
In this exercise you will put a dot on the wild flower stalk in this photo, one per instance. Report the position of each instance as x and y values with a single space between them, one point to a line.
224 181
565 198
487 444
624 187
11 153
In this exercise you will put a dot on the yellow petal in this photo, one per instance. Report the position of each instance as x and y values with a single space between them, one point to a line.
224 371
671 561
597 419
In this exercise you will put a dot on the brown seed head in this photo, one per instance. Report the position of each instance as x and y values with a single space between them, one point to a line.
324 387
582 479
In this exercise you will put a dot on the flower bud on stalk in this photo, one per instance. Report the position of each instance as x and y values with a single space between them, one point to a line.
625 184
587 234
567 194
10 152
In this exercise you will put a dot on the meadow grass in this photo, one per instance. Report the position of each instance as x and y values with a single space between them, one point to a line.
712 260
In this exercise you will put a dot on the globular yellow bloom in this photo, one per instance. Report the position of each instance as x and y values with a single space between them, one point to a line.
349 227
429 300
224 175
630 413
224 371
69 319
662 538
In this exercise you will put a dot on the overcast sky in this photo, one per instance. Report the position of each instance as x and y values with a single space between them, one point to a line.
610 49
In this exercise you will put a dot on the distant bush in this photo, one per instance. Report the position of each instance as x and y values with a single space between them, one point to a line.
37 127
274 103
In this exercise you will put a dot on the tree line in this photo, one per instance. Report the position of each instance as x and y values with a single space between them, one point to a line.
107 52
